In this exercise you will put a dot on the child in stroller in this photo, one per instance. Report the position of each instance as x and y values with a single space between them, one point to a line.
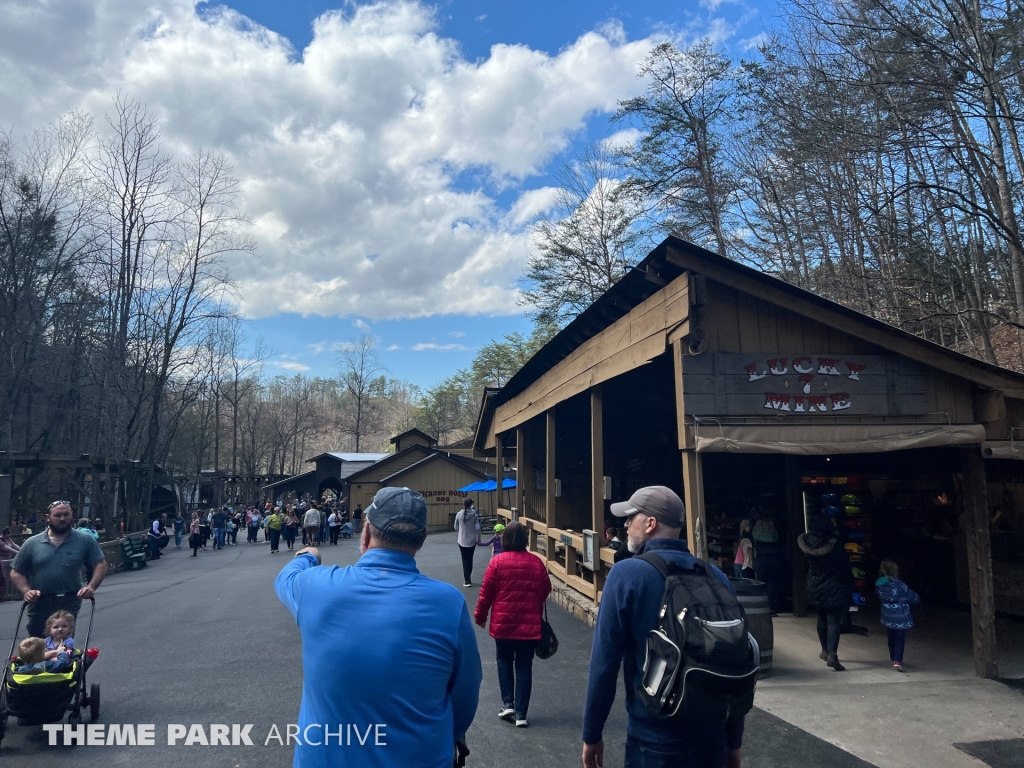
33 658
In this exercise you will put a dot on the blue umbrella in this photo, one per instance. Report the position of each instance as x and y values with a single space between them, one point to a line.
477 486
508 482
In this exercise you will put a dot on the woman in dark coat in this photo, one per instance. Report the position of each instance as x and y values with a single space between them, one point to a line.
829 586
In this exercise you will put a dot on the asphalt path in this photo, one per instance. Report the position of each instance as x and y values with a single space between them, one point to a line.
204 640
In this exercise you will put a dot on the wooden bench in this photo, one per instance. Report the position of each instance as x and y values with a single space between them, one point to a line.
134 552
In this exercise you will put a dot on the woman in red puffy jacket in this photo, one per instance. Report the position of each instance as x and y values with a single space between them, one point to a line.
514 590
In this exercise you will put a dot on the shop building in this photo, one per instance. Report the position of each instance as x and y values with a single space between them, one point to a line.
757 400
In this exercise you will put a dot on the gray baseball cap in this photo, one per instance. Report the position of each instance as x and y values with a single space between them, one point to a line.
397 505
655 501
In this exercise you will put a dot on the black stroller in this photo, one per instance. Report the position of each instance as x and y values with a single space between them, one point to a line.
45 697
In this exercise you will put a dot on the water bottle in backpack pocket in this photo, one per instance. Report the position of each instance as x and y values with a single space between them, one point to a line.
701 663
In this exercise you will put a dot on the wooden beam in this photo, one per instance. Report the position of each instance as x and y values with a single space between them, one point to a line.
888 338
549 481
693 497
499 470
979 564
524 468
628 343
597 479
795 512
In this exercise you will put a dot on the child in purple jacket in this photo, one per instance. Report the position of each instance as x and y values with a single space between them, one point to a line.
495 541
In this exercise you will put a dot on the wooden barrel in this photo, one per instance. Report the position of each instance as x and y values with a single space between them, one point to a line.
753 597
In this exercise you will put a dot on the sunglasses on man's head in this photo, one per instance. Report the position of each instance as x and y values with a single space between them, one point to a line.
57 504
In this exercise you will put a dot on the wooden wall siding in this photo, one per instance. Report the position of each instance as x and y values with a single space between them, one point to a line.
396 463
738 323
750 294
362 493
628 343
439 482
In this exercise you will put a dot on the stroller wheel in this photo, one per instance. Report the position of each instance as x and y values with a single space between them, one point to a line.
94 702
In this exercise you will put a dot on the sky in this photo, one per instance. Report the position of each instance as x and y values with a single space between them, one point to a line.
391 154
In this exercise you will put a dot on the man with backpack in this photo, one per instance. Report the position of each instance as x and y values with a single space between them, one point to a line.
687 710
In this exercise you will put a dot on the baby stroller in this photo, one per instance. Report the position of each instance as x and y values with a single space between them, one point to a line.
44 697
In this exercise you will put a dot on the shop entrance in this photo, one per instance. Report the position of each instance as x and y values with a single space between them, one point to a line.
901 505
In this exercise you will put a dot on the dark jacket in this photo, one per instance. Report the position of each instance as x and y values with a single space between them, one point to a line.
896 598
629 611
829 574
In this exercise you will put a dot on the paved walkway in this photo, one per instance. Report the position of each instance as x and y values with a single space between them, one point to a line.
204 640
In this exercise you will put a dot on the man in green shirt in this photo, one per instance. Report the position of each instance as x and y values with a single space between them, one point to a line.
48 568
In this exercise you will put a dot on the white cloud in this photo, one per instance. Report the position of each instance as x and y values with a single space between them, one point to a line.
292 366
349 152
457 334
361 325
620 139
433 346
752 43
393 348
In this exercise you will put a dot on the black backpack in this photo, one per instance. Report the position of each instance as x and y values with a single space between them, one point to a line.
701 664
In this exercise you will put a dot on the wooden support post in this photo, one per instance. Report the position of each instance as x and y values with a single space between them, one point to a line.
693 497
499 472
693 482
549 481
979 564
795 525
524 472
597 480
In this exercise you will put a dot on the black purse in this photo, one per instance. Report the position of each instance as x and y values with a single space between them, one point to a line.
548 645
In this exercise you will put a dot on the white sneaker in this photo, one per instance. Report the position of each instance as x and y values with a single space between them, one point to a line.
467 584
521 722
506 713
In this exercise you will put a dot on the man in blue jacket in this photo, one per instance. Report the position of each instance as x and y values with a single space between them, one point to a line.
390 661
654 518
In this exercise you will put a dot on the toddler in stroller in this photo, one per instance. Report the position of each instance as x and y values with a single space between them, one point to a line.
33 658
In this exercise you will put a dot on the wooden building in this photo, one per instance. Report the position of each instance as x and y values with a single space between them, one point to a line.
418 464
754 398
332 471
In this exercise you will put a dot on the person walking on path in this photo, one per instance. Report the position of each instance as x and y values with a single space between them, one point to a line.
515 587
421 674
291 528
896 598
274 524
220 521
179 529
495 541
254 527
153 539
829 585
334 525
357 518
630 606
195 536
48 568
467 523
311 526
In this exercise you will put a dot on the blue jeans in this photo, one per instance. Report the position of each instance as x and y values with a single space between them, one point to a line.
705 751
515 672
177 537
897 642
218 538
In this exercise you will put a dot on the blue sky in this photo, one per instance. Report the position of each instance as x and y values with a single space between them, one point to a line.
427 349
391 154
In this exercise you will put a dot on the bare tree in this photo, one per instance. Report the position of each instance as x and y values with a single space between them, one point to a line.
362 376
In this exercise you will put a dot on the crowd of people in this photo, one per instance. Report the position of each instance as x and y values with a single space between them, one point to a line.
422 632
